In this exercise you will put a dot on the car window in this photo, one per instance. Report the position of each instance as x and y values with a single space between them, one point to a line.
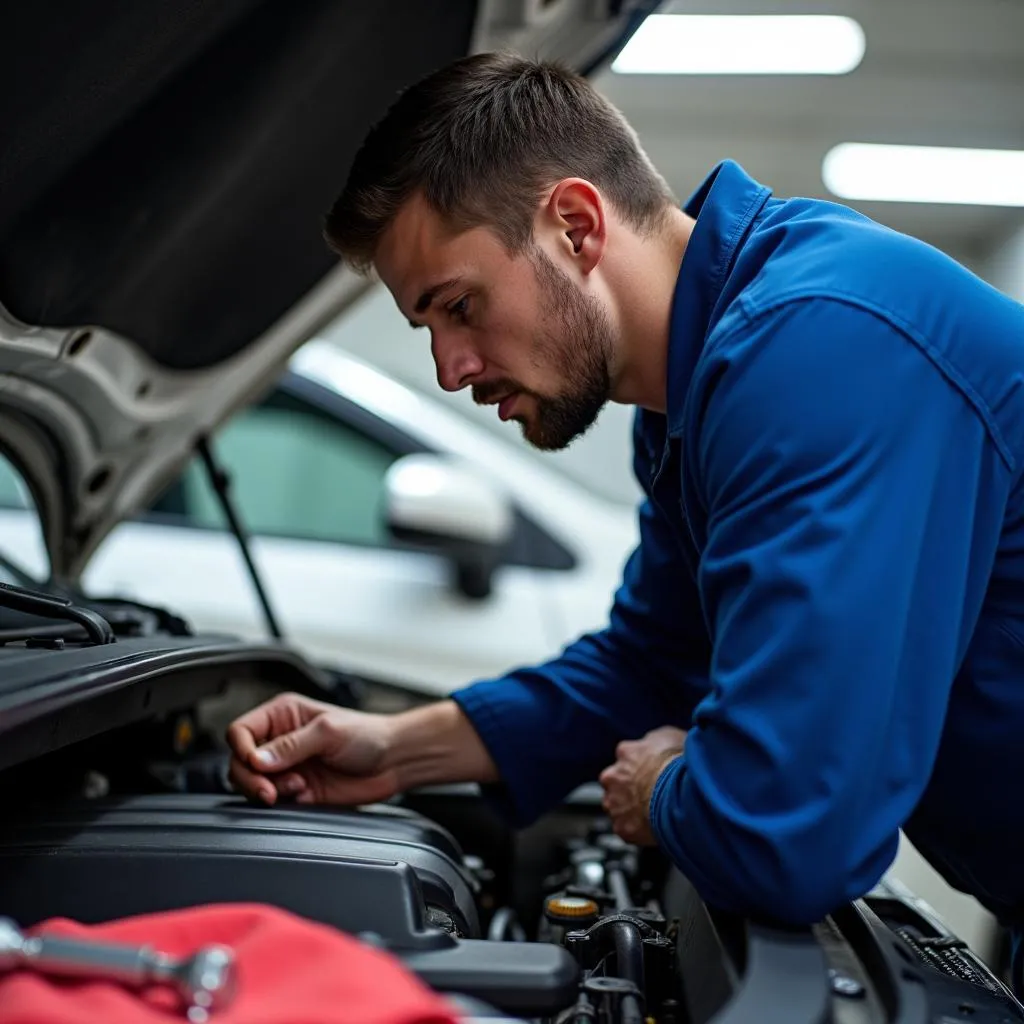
13 492
295 472
23 558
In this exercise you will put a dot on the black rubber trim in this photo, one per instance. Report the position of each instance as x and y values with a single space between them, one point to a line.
51 699
50 606
785 982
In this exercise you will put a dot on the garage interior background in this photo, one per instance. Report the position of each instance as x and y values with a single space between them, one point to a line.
944 73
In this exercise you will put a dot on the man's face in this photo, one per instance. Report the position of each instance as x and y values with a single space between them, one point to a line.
518 331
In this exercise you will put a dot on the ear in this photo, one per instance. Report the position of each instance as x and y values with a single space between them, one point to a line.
576 211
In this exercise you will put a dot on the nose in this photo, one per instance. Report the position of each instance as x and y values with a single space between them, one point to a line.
456 362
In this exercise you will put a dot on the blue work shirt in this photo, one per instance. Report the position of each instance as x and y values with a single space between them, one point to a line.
828 591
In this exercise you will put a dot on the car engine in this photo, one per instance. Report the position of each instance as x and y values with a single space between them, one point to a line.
387 874
559 923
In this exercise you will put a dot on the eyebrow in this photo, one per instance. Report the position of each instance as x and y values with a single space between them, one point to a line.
423 303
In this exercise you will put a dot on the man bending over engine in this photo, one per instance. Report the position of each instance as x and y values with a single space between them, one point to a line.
819 639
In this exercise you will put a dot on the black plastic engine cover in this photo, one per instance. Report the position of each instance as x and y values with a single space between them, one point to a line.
884 959
381 869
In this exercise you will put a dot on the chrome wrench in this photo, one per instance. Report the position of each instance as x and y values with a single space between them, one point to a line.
205 981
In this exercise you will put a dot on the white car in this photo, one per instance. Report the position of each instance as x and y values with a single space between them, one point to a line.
499 560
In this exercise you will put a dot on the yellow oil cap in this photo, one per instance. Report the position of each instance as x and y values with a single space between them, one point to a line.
570 908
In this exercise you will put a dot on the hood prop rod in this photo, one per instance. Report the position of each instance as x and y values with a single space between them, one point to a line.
221 483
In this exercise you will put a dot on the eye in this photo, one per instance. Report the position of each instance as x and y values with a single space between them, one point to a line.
459 309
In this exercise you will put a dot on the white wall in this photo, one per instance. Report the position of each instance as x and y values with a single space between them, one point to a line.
1005 269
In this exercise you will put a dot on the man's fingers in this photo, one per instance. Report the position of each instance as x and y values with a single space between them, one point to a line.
667 738
291 749
251 784
241 740
614 803
623 828
260 787
246 733
291 784
285 713
255 727
630 828
324 786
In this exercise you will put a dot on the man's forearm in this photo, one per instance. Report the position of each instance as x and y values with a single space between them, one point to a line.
437 744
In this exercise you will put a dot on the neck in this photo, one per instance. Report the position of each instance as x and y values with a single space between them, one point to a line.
643 280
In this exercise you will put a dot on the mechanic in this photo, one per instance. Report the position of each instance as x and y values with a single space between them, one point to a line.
820 636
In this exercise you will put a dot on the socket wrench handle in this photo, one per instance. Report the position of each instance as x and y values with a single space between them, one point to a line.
206 981
73 958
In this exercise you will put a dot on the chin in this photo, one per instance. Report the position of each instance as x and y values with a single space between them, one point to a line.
553 433
528 431
530 434
543 442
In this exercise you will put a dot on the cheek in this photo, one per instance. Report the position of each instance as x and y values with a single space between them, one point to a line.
513 316
502 343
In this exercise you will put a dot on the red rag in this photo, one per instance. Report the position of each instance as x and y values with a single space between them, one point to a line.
290 971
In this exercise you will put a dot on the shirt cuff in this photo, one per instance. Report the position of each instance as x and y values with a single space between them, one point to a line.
666 784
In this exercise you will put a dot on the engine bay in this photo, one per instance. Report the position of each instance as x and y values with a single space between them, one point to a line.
119 804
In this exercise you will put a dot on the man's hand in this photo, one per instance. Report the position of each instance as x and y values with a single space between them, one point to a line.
629 782
316 753
321 754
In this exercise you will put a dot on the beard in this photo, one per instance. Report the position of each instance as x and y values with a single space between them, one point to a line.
574 345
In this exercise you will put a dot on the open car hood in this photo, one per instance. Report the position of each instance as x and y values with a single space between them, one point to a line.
164 172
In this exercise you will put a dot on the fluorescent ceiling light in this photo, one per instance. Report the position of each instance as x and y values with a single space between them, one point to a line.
925 174
742 44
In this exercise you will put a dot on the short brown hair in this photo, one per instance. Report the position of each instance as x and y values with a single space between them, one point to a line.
481 139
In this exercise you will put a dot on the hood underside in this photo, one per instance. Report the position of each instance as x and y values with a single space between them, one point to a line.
164 172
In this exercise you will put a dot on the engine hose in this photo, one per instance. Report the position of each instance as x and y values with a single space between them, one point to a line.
606 923
581 1012
505 928
619 889
629 953
631 1013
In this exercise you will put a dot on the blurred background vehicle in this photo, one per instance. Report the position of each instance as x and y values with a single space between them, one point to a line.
313 472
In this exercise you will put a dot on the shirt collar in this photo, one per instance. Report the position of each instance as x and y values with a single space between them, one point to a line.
724 206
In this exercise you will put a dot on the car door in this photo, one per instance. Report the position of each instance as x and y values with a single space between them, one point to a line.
307 474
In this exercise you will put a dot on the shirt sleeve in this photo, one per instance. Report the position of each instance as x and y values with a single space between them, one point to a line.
552 727
854 505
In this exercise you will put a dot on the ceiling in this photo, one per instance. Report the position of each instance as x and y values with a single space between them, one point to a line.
936 72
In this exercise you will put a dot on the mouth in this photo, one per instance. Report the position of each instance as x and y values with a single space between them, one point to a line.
504 400
506 405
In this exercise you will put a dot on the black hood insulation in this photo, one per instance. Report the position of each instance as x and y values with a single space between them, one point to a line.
165 166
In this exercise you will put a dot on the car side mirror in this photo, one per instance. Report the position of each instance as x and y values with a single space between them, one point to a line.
439 504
